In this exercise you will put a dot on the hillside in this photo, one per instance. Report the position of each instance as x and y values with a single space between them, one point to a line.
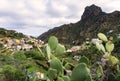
92 21
10 33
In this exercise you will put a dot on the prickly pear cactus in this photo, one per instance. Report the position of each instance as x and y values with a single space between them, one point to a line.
52 74
66 78
53 42
81 73
60 79
84 60
112 60
102 37
48 51
100 47
56 64
109 46
60 49
67 66
99 72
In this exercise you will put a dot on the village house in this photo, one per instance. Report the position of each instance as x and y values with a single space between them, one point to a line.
74 48
26 43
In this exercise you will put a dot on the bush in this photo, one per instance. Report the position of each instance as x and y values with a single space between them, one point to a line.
19 56
34 54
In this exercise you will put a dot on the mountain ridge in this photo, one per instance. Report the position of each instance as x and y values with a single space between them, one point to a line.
93 21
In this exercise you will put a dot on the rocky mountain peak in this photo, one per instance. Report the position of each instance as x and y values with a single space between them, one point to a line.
91 11
93 21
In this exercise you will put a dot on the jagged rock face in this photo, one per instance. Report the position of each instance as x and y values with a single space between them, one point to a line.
92 22
91 11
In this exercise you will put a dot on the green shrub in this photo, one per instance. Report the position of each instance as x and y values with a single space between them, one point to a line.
19 56
34 54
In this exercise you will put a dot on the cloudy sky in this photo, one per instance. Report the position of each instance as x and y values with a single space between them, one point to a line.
33 17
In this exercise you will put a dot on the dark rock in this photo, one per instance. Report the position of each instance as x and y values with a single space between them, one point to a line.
91 11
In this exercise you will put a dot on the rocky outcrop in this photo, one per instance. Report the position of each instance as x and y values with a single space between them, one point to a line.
91 11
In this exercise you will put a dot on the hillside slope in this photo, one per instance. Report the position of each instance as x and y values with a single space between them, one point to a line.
10 33
93 20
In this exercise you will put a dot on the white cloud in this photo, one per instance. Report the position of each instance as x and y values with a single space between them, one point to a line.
34 17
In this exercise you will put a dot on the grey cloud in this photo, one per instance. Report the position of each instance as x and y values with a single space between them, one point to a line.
73 11
10 14
50 10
